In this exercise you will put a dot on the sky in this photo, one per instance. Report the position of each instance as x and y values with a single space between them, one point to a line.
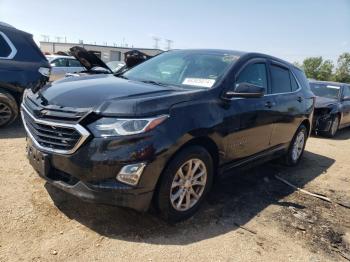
289 29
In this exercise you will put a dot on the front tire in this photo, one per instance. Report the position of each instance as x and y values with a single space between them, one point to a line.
333 128
184 184
297 146
8 108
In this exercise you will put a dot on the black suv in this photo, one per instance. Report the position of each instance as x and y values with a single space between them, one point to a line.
332 108
164 130
22 65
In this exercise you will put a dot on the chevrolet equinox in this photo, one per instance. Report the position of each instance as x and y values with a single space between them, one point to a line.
161 132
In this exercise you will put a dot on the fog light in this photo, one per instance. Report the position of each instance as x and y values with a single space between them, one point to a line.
131 174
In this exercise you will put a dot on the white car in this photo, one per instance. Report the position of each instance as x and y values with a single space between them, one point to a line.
61 65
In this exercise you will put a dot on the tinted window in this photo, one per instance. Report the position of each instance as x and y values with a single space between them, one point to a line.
5 49
280 78
294 83
254 74
59 62
300 75
346 91
74 63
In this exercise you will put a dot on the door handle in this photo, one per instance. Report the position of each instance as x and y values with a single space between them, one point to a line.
300 99
269 104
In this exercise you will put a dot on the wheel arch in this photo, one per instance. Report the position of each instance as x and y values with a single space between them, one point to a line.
307 124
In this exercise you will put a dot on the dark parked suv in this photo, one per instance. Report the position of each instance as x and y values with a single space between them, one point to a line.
22 65
332 107
164 130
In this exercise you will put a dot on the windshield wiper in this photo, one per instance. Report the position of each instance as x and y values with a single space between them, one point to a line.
153 82
121 76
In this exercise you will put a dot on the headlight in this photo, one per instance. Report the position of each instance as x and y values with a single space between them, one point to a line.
106 127
44 71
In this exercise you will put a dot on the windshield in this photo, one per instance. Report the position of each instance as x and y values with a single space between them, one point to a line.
183 68
324 90
115 65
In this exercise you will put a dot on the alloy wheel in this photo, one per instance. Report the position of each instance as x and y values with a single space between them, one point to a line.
5 113
298 146
188 185
334 127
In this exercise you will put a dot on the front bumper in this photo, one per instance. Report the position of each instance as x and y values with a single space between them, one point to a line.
322 123
90 173
107 192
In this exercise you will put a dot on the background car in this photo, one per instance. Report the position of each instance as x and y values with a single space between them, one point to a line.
332 109
61 65
22 65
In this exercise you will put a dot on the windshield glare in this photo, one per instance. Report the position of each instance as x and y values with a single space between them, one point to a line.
183 68
324 90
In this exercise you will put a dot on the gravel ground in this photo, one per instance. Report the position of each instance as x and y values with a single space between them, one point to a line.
249 216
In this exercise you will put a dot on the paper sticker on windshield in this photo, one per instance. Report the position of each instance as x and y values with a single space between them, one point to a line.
203 82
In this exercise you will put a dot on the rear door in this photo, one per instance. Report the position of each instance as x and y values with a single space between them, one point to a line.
288 100
345 106
254 115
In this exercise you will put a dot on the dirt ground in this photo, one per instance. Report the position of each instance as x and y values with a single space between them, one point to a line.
250 216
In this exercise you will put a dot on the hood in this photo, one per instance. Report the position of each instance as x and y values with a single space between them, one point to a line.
107 94
87 58
324 102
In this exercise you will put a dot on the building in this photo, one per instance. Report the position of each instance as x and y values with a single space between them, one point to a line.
106 53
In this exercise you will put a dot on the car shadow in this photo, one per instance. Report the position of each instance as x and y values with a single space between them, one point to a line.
15 130
342 134
233 202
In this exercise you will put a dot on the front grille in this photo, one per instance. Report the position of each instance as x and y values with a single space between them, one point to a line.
52 136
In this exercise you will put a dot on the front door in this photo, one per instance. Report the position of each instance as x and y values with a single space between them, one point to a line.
252 133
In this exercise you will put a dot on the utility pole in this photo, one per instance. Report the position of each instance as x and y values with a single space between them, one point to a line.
156 42
46 38
58 39
169 43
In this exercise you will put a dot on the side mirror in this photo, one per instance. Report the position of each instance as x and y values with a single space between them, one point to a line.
53 64
346 98
246 90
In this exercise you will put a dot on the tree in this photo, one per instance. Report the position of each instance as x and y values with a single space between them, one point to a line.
342 74
317 68
311 66
325 71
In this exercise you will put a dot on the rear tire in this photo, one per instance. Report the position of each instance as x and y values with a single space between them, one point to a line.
184 184
8 108
297 146
333 128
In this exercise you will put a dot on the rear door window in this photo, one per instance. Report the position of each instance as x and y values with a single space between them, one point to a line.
5 49
280 79
294 82
59 62
254 74
74 63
